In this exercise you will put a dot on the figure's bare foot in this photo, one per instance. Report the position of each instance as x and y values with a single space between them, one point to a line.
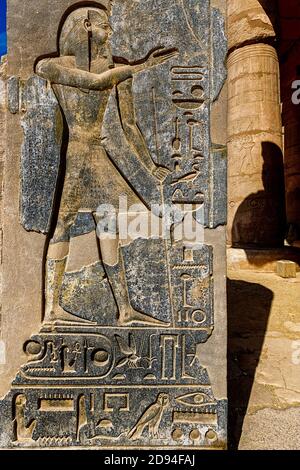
57 315
131 316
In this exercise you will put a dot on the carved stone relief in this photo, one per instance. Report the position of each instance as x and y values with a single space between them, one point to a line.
116 126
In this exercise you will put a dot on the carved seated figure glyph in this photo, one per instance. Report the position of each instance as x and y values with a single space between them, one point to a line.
23 431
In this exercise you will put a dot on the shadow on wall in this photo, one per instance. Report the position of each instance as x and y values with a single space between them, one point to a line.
249 307
260 221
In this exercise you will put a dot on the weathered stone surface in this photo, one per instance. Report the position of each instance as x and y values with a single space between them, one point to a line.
117 361
148 283
264 359
13 94
250 21
219 52
271 429
260 260
42 125
286 269
87 294
3 126
219 206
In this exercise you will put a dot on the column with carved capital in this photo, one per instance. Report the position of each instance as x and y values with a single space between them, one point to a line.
256 173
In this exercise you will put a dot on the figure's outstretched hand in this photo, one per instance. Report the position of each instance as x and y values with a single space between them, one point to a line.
161 173
160 55
157 57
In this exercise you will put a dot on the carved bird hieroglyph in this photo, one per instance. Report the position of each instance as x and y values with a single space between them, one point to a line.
129 351
151 418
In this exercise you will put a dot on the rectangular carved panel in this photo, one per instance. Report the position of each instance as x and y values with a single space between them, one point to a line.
121 179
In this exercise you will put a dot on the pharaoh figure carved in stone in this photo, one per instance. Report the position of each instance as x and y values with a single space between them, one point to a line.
82 78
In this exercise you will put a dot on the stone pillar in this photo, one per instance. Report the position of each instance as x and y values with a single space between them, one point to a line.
3 98
3 66
256 175
290 61
100 336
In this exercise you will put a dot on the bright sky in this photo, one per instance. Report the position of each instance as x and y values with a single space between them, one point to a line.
2 27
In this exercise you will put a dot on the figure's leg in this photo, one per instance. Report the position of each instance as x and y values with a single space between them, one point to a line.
151 431
155 431
56 262
112 258
57 257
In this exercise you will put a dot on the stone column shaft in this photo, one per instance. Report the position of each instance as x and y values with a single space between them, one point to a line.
256 197
256 175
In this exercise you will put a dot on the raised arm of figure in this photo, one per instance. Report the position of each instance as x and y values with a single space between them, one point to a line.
54 70
61 72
